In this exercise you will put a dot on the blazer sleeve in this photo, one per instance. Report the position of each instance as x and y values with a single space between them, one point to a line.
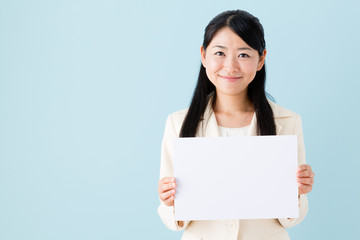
303 201
167 213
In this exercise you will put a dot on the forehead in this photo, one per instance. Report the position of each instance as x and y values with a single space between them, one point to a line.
228 38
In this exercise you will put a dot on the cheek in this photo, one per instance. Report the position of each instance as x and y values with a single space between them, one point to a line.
210 75
213 65
250 68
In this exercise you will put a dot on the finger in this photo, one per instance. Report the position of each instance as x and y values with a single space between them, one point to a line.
303 189
306 181
166 187
169 202
304 167
167 180
163 181
306 174
164 196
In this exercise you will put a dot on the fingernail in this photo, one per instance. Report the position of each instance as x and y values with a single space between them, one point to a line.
173 185
172 191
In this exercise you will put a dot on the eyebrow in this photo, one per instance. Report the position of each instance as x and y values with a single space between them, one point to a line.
222 47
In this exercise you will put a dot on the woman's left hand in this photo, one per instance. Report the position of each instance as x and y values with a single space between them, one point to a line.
305 178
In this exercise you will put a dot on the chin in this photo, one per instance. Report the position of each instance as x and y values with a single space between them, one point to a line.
232 92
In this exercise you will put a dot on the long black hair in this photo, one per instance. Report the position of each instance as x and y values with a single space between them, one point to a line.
249 29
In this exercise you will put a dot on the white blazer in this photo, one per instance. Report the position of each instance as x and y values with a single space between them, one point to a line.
287 123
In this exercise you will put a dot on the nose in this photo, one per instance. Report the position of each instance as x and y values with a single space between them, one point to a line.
231 64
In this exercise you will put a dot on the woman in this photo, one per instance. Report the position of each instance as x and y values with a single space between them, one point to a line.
229 100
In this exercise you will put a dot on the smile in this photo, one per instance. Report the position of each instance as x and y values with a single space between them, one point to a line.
230 78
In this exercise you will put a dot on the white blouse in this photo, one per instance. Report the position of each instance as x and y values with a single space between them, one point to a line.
230 132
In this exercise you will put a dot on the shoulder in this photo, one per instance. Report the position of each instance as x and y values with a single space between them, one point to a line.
281 112
178 116
175 120
288 121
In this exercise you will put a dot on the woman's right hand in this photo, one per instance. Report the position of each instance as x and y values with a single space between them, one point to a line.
166 190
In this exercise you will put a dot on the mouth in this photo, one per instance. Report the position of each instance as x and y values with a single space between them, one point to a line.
230 78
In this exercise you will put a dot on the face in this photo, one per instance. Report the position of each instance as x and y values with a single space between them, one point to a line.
230 63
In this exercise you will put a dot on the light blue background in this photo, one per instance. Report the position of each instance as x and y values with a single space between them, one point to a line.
85 88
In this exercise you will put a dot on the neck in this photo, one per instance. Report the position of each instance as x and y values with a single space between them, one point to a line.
233 103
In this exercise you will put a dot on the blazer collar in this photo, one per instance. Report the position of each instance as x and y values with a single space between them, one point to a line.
210 127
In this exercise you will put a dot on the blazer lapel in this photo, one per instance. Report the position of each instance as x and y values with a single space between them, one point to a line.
209 124
278 127
253 126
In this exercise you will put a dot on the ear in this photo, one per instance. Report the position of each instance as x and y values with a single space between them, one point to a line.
203 53
261 61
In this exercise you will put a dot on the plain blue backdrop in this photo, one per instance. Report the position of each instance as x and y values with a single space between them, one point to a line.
85 88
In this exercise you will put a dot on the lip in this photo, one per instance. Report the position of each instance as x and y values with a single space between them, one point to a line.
230 78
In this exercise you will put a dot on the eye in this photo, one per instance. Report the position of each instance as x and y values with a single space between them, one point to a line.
219 54
243 55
